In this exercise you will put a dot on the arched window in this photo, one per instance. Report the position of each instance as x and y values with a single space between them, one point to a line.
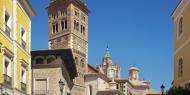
76 60
180 26
82 63
50 59
90 89
39 61
180 67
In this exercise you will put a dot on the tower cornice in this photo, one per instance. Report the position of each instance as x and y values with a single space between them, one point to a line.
52 8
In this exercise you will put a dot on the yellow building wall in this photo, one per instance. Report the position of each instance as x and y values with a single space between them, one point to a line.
1 12
183 52
22 20
22 55
4 5
185 35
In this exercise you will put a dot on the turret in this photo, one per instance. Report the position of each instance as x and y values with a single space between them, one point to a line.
133 73
107 60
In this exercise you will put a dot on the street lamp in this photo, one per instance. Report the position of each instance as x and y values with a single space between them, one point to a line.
61 85
162 89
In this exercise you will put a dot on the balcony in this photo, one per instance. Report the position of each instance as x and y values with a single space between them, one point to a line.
23 44
7 30
23 87
7 81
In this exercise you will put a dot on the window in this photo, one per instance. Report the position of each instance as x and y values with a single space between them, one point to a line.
7 71
7 24
23 77
90 89
180 67
63 13
54 16
39 61
83 18
180 26
76 25
23 74
7 66
55 27
40 87
7 17
23 38
82 29
76 13
64 24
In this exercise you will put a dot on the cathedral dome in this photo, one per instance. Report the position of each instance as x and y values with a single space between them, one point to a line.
107 55
134 68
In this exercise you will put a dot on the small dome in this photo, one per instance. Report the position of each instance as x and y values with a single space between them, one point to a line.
134 68
107 55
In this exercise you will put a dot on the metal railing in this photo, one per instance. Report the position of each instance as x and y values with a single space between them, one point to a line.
7 30
23 87
7 81
23 44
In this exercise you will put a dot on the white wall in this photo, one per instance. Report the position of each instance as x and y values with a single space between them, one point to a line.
97 84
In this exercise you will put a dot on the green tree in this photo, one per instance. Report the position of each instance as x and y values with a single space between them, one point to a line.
178 91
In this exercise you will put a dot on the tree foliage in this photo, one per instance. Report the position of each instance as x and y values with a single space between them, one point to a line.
178 91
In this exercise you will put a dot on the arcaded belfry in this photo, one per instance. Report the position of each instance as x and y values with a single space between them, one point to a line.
68 29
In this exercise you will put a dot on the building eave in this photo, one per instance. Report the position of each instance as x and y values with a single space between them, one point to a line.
27 7
66 53
173 12
180 8
77 3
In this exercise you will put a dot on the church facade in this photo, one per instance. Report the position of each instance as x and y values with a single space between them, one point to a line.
105 80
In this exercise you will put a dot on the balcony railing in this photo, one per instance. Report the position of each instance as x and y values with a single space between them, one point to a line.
23 44
23 87
7 81
7 30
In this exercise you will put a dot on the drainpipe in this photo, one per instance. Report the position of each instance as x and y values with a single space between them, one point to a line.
14 47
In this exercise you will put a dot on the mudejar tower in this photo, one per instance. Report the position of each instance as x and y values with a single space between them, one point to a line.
68 29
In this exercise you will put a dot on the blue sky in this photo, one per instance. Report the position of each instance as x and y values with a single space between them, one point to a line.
139 32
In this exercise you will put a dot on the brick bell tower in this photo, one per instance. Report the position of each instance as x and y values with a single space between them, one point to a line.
68 29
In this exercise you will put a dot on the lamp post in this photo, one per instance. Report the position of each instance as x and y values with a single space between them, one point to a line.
61 85
162 89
